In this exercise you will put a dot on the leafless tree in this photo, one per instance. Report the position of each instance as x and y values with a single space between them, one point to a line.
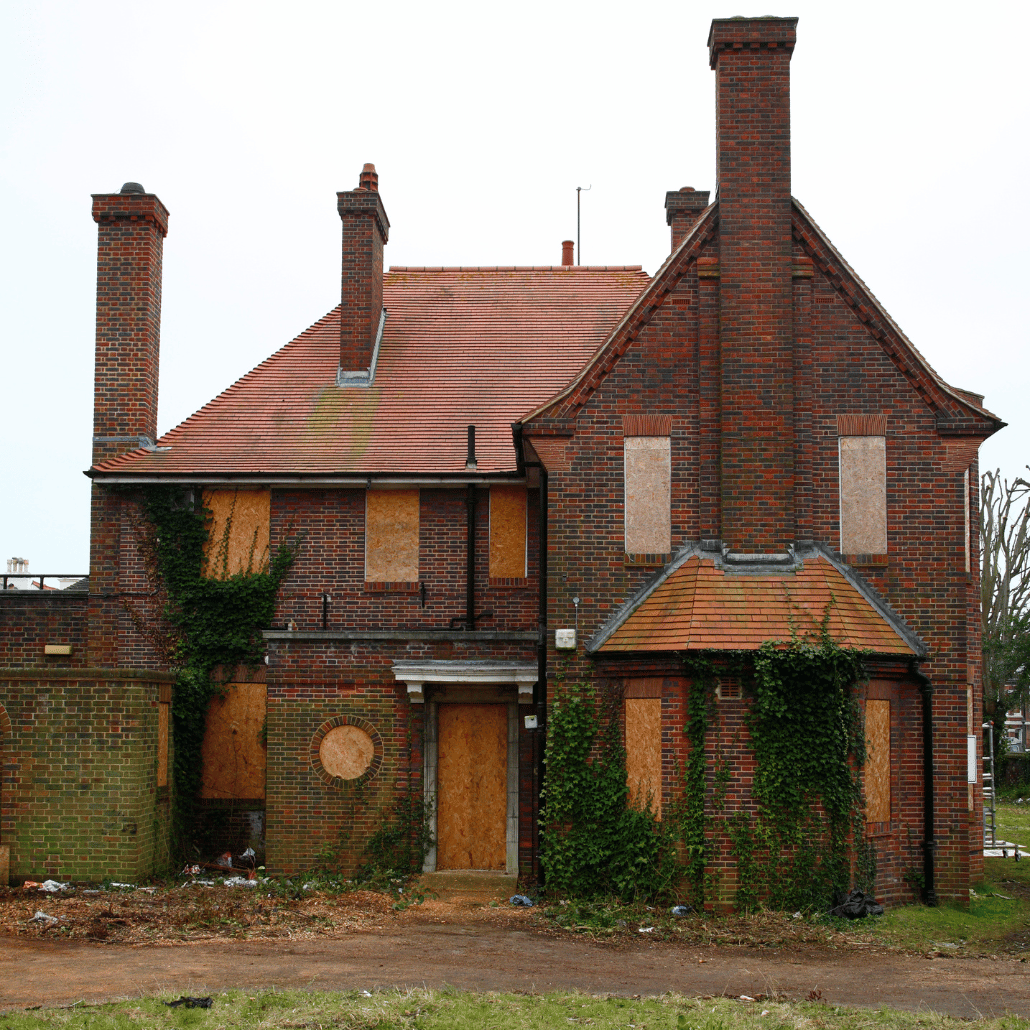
1005 593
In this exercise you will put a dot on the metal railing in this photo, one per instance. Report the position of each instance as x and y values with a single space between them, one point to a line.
42 577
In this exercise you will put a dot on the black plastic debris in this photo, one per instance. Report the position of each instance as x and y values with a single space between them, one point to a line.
856 905
191 1003
521 899
679 911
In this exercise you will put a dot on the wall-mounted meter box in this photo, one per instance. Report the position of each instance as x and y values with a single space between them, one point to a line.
565 639
530 722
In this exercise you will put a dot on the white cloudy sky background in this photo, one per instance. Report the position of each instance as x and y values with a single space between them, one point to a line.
910 149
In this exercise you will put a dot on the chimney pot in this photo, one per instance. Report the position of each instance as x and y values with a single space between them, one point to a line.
132 187
686 189
369 179
567 252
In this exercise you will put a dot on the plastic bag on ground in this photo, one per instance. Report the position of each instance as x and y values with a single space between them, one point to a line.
521 899
856 904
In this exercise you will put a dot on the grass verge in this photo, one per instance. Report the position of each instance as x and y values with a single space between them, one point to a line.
460 1010
996 922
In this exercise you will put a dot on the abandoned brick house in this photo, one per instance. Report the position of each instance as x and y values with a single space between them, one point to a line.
479 460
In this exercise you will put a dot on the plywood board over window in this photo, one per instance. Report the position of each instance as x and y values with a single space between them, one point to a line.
507 532
878 761
648 504
234 750
391 536
863 495
644 752
239 532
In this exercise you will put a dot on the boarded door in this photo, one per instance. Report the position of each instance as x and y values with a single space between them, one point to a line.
472 785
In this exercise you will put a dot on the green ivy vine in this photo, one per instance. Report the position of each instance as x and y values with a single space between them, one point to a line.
592 842
202 622
794 849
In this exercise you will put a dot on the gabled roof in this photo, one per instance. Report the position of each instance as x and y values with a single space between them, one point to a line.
958 412
703 602
460 346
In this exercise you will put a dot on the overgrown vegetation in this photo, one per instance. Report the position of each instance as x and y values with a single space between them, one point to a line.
204 618
793 850
592 841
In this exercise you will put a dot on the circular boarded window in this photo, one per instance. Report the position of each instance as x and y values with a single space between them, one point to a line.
346 752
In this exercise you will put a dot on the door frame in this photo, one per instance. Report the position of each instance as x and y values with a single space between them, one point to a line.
430 780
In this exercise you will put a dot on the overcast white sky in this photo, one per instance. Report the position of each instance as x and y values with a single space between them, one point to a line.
910 148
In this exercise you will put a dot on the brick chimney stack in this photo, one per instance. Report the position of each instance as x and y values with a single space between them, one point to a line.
567 248
751 60
682 210
132 225
365 232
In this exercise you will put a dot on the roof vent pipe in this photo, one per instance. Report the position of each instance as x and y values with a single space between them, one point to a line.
470 460
566 252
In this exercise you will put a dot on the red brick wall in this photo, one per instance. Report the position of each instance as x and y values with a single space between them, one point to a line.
30 620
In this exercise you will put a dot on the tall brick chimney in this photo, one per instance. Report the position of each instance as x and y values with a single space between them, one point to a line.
682 210
132 227
365 232
751 60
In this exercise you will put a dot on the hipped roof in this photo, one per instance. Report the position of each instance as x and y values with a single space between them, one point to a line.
460 346
701 602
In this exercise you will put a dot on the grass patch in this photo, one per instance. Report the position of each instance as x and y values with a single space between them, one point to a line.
1013 821
992 924
460 1010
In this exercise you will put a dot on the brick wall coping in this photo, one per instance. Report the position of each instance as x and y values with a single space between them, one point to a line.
45 672
513 636
44 597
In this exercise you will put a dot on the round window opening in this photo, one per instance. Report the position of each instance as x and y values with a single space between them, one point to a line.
346 752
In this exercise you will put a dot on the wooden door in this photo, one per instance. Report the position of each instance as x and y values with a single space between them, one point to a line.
472 786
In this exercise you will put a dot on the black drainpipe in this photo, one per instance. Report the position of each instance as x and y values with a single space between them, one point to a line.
540 689
929 844
470 558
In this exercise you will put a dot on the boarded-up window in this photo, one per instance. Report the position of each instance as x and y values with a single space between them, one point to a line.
878 761
648 510
163 708
238 536
507 532
863 495
391 536
644 752
234 749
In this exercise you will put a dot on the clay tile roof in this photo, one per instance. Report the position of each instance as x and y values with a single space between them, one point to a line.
461 346
702 607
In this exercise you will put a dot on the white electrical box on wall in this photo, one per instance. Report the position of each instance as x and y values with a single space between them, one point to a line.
530 722
971 762
565 639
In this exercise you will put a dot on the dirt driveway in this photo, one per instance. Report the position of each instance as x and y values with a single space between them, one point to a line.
481 957
103 946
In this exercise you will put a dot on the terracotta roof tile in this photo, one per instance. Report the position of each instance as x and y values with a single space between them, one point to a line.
702 607
461 346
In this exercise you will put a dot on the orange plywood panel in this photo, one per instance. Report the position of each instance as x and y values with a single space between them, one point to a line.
878 761
472 785
234 750
162 743
238 535
391 536
644 752
507 532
